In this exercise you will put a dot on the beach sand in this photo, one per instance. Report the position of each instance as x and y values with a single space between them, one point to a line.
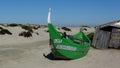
20 52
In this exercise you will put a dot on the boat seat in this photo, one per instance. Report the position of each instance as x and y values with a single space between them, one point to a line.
75 40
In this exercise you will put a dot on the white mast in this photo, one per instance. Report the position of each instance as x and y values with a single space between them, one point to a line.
49 13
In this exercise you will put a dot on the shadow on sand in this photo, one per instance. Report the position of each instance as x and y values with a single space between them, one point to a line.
50 56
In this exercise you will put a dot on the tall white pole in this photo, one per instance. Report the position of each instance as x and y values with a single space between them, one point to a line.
49 13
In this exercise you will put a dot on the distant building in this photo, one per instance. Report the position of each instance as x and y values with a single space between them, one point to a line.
107 35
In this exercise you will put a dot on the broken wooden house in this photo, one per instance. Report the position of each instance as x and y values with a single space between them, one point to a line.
107 35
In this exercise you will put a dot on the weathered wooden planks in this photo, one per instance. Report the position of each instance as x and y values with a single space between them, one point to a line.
101 39
107 35
115 38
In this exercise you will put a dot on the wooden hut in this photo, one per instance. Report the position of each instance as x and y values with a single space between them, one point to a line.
107 35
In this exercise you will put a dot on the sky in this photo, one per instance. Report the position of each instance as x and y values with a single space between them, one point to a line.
64 12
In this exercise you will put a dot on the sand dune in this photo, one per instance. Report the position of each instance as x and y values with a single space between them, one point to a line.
20 52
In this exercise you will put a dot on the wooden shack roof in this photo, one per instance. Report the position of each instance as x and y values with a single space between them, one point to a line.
112 24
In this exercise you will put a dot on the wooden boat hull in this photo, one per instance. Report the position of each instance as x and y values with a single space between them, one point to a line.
66 48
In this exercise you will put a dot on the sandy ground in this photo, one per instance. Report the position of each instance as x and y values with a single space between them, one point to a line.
32 52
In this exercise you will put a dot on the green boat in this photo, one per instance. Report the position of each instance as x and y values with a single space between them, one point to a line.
67 47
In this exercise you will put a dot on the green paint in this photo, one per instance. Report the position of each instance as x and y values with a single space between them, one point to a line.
67 48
